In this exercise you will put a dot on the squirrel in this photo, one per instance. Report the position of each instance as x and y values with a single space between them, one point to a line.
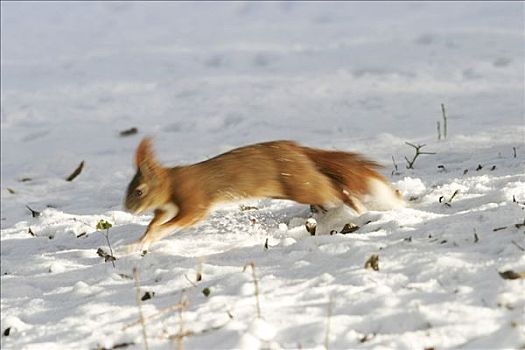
183 195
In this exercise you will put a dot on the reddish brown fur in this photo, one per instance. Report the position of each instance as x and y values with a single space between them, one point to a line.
279 169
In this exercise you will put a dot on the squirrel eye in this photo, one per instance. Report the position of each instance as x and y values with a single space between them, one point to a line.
138 193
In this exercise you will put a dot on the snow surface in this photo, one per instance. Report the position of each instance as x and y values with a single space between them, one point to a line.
204 77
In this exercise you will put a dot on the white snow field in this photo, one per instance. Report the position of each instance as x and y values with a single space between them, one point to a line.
202 78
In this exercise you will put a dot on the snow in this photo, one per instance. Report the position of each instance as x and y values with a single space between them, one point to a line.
204 77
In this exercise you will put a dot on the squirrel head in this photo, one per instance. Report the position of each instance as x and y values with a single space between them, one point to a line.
145 191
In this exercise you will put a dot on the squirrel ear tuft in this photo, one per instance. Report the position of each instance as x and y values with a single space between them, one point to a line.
144 152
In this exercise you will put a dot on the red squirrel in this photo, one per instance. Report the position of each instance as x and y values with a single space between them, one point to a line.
183 195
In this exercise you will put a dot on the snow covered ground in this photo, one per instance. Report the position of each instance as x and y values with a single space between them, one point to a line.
202 78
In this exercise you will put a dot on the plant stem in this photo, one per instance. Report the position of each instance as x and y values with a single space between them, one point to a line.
139 304
109 245
444 121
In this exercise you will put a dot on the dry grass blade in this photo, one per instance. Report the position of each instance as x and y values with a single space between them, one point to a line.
129 132
444 120
256 284
139 305
77 172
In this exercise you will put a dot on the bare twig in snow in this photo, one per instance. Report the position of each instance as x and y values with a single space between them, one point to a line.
410 163
191 282
476 238
439 130
394 171
34 213
444 121
517 245
449 202
75 173
453 195
198 276
129 132
104 225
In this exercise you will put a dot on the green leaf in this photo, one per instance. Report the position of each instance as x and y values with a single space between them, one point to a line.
103 225
206 292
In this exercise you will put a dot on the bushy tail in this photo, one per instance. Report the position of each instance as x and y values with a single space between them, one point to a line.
357 178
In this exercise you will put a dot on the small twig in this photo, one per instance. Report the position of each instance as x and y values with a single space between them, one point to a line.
191 282
256 284
476 238
104 225
109 245
449 202
514 150
517 245
410 163
394 161
444 121
34 213
439 130
115 347
366 337
129 132
453 195
139 305
394 171
75 173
